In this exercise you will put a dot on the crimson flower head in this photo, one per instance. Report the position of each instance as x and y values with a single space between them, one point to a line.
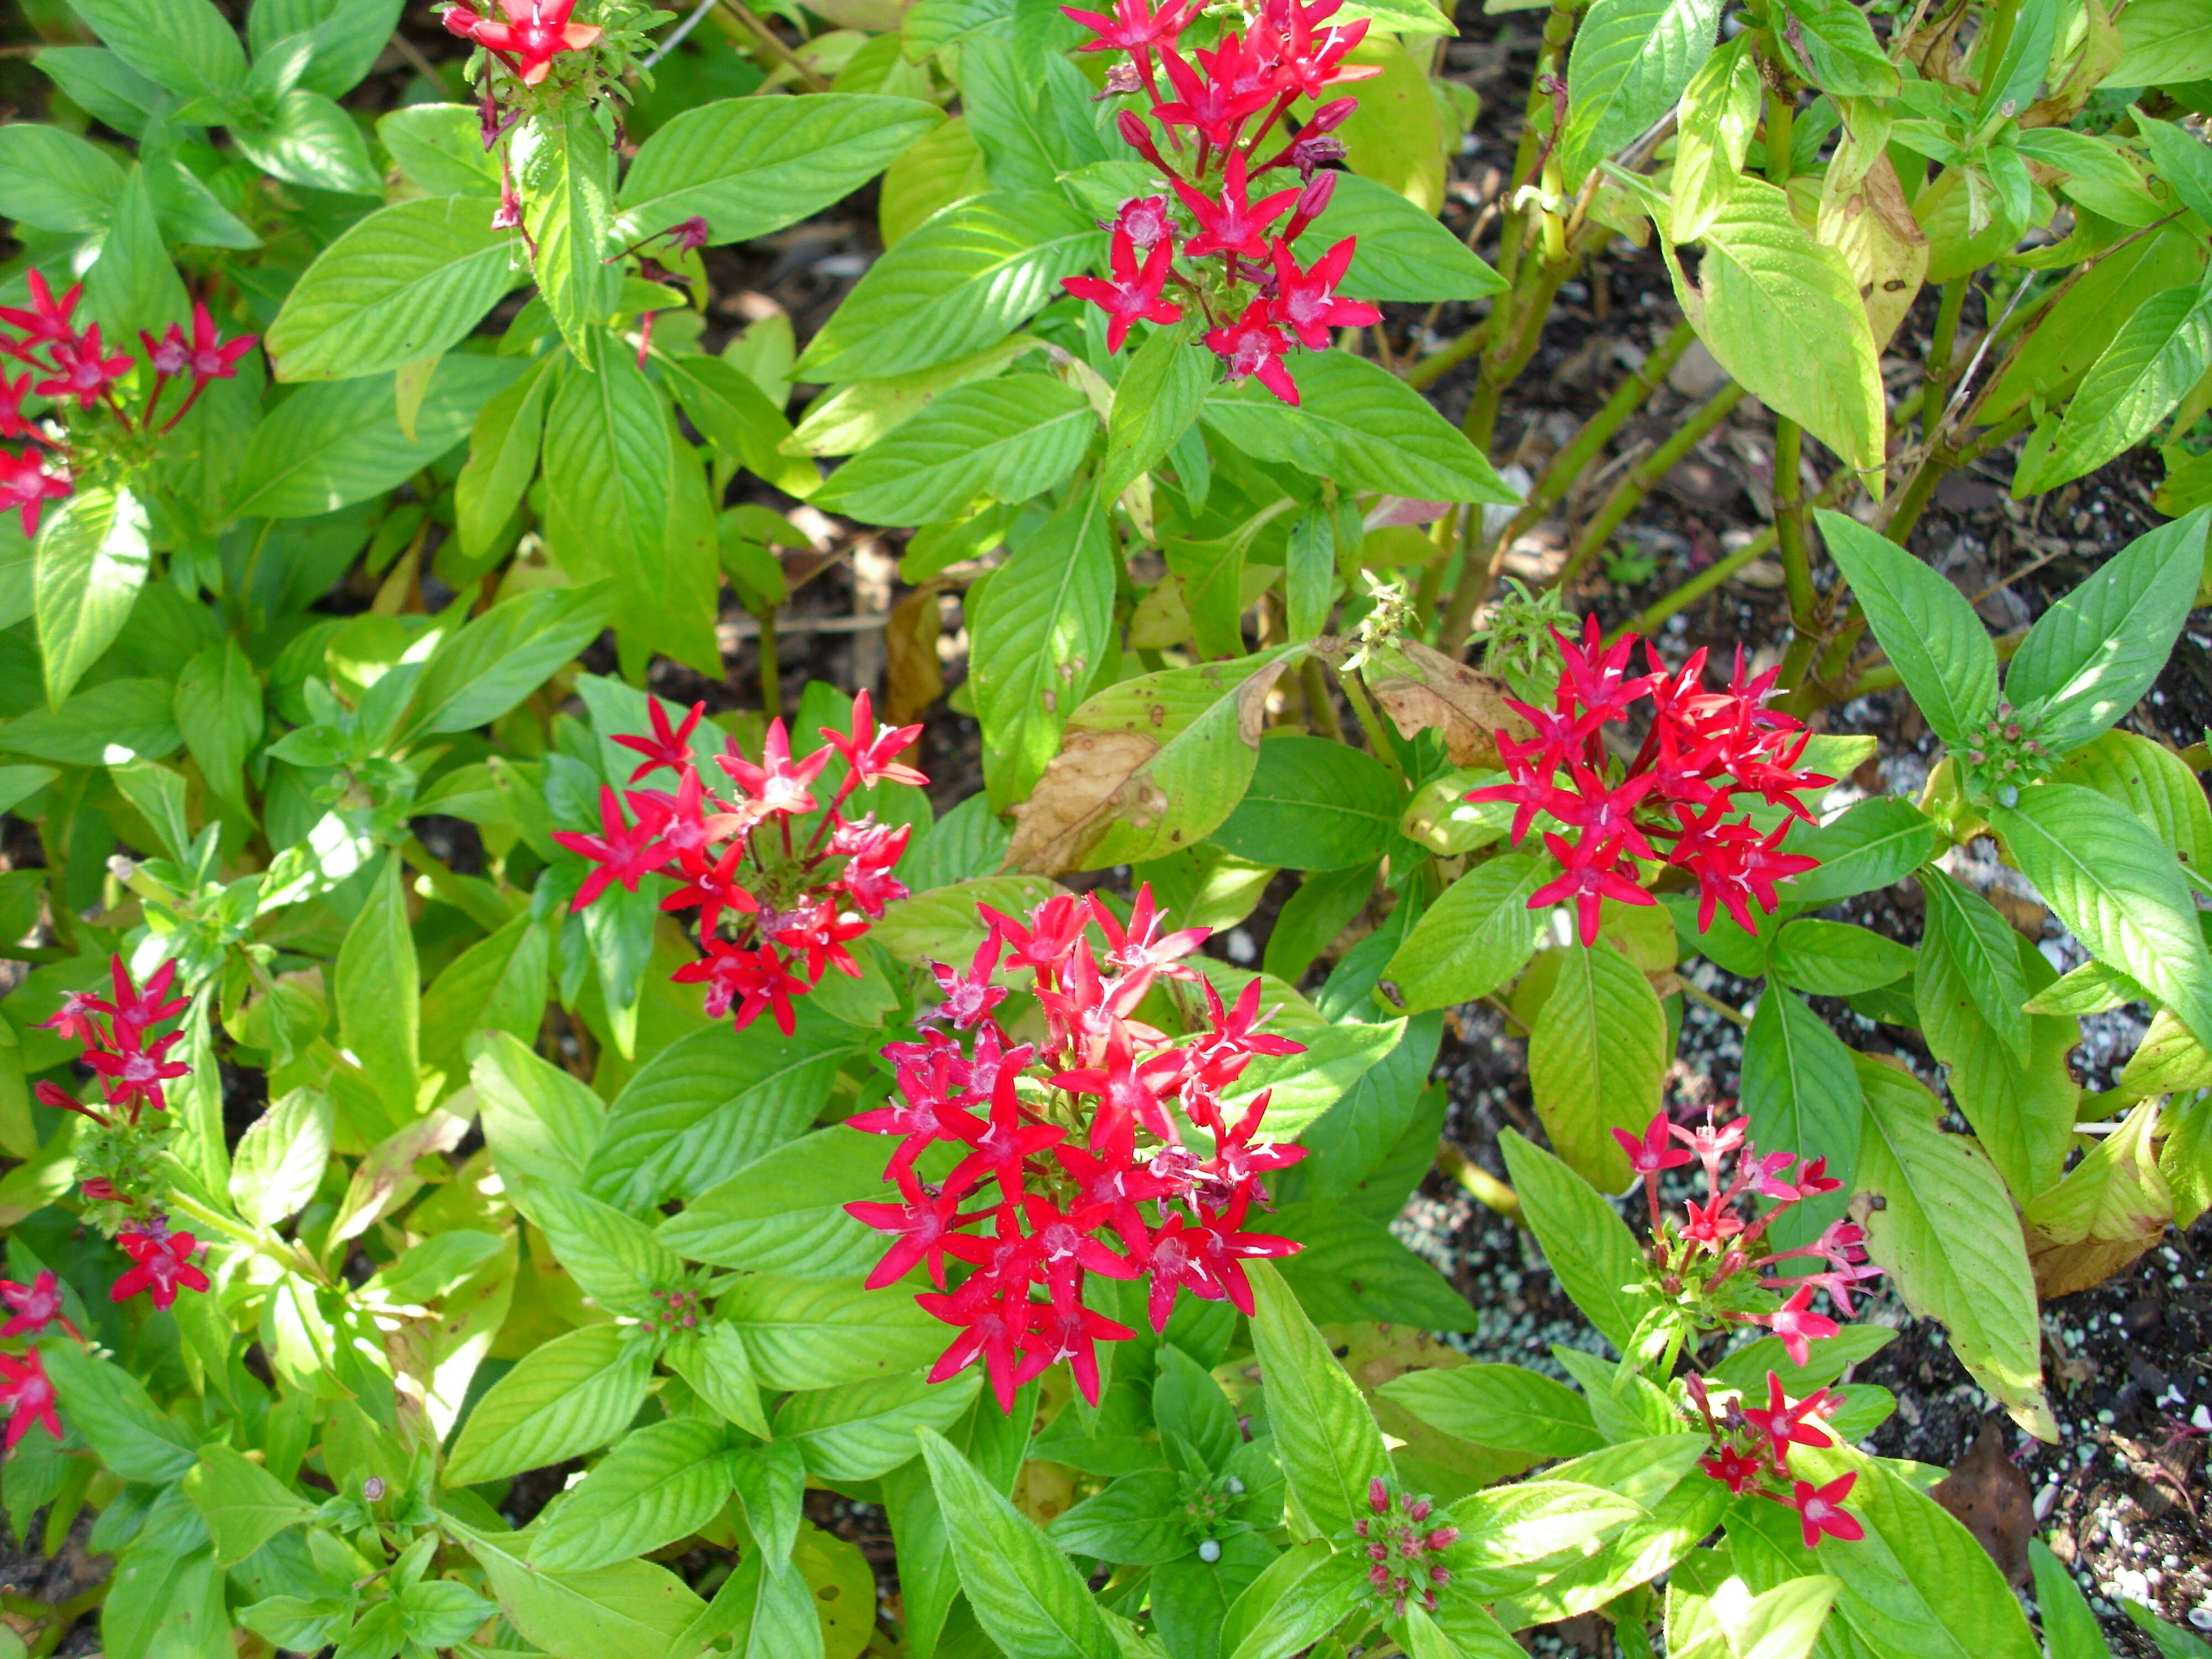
28 1393
12 393
1734 1469
970 996
669 745
1655 1151
531 36
163 1265
1253 348
1133 25
622 851
1235 85
1820 1511
1145 219
133 1075
205 356
1785 1425
871 751
923 1225
48 321
25 486
754 980
778 783
1235 224
1798 1325
1132 293
1306 301
35 1305
82 371
135 1010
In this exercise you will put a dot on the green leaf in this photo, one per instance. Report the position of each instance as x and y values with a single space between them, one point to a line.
1474 938
1507 1533
282 1156
1038 630
721 1372
1836 959
1719 113
119 1420
2070 1630
135 715
631 1607
542 1122
1314 804
1359 424
2181 158
1402 253
328 446
1630 61
1970 977
614 1258
738 419
1597 1055
309 141
51 180
1828 1358
1031 1596
2153 783
2160 352
1506 1405
349 36
244 1505
859 1430
502 459
1869 845
440 148
1294 1603
1312 917
565 167
1802 1096
1158 399
1324 1433
785 1213
1781 313
376 985
954 285
187 46
1304 1085
1918 1586
1711 1615
1848 62
816 1332
1949 1239
2164 42
1585 1239
493 661
407 283
1931 633
1148 765
660 1483
218 709
569 1396
132 286
1685 1512
751 166
2109 878
92 556
2092 655
711 1102
1011 438
611 488
2087 312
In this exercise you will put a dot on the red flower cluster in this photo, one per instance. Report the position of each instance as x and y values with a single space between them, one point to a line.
1076 1136
1751 1453
1703 1254
25 1390
774 912
1256 300
1396 1542
164 1262
63 362
1703 749
527 39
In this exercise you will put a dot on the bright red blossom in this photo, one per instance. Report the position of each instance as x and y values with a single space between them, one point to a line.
1068 1141
530 36
30 1397
164 1265
1676 802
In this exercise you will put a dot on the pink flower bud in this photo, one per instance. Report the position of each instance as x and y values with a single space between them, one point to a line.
1378 1495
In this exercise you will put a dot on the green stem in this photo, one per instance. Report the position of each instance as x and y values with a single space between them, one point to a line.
1643 478
1789 515
1712 1003
1370 722
1936 382
773 43
1509 353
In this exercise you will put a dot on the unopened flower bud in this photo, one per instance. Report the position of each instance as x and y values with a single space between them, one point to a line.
1418 1510
1313 202
1137 133
1378 1495
1209 1550
1444 1538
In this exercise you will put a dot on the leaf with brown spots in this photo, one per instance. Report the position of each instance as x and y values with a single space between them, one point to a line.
1424 690
1987 1494
1148 766
2112 1206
